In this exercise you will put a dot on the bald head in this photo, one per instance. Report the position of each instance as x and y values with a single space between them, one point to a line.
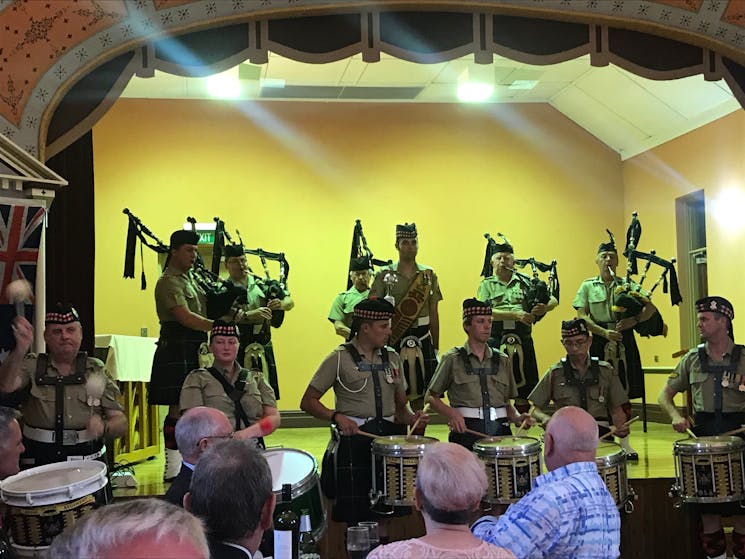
197 428
571 436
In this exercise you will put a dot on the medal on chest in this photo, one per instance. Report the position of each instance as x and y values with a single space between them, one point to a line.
725 380
601 399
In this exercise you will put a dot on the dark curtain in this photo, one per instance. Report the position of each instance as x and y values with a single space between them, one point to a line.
71 235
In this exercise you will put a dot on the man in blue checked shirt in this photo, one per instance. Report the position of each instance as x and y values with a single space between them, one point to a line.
569 513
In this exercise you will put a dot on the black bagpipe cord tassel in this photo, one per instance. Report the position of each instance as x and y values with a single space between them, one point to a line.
129 251
675 297
143 281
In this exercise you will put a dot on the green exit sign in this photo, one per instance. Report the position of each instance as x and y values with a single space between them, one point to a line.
206 237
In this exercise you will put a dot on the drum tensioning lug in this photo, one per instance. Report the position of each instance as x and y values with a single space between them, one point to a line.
628 506
674 494
374 497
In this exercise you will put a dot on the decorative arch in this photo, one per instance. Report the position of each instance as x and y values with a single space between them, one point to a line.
72 59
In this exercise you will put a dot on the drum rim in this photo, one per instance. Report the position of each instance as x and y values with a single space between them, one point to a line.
481 449
387 447
54 495
306 482
713 444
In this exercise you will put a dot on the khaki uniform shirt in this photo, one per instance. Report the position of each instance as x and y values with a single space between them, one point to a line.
688 373
602 397
343 306
200 388
178 289
39 408
464 390
598 298
401 287
500 295
354 392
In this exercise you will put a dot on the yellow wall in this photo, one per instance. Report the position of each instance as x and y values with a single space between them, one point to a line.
709 158
294 176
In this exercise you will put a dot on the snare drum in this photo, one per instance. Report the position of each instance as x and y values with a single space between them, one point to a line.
709 469
299 469
512 463
45 500
395 463
610 459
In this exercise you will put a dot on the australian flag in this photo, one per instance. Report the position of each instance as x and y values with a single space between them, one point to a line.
21 228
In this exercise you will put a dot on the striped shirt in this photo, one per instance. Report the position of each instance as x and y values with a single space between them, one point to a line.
569 514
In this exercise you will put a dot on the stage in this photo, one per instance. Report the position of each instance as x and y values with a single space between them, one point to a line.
655 529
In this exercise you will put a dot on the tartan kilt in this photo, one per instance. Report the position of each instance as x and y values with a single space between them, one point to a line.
246 339
632 378
175 357
347 472
530 363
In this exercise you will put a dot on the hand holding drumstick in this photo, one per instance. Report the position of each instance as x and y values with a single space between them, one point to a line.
614 428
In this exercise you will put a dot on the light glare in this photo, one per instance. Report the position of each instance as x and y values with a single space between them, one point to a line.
474 92
223 86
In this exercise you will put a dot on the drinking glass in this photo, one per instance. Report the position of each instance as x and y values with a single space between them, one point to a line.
358 542
372 530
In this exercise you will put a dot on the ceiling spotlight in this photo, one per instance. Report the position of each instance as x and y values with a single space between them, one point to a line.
474 92
224 86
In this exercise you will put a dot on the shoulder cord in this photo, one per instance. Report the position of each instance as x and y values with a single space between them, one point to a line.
338 379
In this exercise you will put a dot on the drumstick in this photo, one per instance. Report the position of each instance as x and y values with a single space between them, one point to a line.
366 434
525 422
411 428
693 435
734 432
614 428
477 433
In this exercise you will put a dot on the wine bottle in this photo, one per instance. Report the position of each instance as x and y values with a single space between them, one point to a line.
308 546
286 527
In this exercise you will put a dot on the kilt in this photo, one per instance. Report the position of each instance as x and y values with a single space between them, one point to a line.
175 357
347 471
422 377
633 378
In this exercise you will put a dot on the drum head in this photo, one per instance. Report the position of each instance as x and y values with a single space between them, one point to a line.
401 445
290 465
708 445
54 483
492 446
609 453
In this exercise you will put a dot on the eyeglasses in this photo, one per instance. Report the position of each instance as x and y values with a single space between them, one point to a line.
228 436
572 344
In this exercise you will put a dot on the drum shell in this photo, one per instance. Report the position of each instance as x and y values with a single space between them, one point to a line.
610 459
710 469
395 465
512 464
300 470
45 500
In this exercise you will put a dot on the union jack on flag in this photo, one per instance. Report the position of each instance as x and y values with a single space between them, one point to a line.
21 228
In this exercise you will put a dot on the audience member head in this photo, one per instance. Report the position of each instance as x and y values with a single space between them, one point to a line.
140 528
450 483
11 442
571 436
198 428
231 491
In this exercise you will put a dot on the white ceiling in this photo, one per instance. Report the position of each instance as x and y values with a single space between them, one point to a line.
628 113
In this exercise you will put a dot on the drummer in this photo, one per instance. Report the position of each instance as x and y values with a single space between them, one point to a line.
715 373
71 407
370 394
242 395
582 381
478 380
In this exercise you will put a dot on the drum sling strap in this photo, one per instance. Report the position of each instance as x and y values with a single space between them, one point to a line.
235 393
582 383
719 371
59 382
373 368
481 372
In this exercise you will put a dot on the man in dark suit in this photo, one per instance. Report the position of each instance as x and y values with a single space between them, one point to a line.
196 430
231 491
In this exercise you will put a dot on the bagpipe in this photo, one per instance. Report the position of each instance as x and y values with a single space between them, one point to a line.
628 298
222 296
272 288
535 290
360 249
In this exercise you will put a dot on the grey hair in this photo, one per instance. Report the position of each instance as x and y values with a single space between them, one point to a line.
196 424
7 416
451 478
230 485
109 527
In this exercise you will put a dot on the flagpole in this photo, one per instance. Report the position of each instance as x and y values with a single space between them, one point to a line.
40 292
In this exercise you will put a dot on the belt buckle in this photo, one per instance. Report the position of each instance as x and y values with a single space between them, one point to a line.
70 437
493 414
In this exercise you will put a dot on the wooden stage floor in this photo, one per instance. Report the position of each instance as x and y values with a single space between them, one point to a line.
655 448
